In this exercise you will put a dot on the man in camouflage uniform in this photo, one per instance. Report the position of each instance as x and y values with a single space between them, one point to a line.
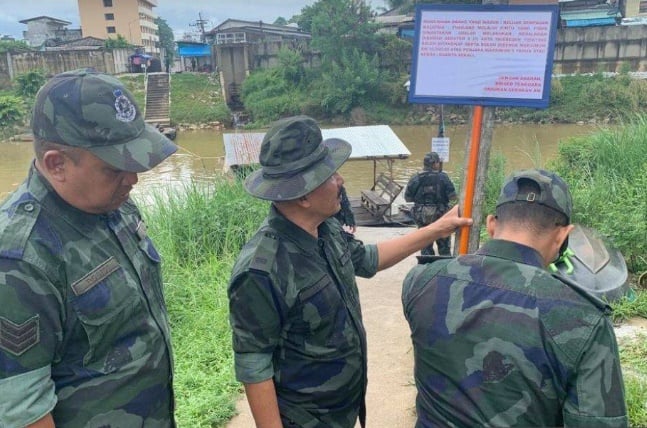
499 341
298 337
431 192
84 334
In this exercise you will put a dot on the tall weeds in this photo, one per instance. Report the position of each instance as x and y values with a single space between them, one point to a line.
204 221
199 232
606 174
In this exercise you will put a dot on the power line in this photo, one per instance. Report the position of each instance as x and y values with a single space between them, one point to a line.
199 23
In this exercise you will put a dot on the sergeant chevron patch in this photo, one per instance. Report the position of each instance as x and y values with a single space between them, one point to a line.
19 338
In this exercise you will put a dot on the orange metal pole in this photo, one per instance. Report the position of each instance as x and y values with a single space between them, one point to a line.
477 123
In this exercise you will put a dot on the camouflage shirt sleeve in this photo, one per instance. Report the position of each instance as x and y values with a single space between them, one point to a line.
257 327
596 396
29 320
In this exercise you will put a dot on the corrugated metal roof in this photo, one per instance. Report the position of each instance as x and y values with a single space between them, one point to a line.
369 142
589 14
194 50
589 22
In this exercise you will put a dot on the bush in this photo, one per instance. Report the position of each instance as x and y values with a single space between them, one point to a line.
11 114
29 83
606 175
268 96
351 82
11 110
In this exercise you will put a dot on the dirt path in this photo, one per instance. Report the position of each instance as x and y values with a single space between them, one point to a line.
390 400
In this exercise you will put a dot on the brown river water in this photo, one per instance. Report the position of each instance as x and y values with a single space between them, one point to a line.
201 155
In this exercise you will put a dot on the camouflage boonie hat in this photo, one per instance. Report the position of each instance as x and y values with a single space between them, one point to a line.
294 160
553 191
94 111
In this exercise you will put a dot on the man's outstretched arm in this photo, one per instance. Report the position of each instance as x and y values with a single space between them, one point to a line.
392 251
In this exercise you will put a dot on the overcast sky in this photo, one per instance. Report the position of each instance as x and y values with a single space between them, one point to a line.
179 14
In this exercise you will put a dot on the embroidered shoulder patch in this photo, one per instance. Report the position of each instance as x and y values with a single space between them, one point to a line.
19 338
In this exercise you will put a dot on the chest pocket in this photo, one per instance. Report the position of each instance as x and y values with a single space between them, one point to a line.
320 317
105 305
319 300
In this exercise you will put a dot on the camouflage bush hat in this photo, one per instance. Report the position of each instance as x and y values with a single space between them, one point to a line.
94 111
553 191
295 160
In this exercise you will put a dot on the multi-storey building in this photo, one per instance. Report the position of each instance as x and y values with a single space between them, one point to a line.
43 28
132 19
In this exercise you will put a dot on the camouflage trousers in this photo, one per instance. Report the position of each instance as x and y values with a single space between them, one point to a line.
426 214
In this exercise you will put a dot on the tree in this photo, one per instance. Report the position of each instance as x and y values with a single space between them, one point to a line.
399 3
280 21
29 83
167 40
352 80
119 42
408 6
13 45
339 26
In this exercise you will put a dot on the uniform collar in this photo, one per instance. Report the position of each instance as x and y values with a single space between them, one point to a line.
290 231
512 251
44 193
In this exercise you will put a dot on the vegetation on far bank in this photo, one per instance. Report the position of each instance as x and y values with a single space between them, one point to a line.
196 99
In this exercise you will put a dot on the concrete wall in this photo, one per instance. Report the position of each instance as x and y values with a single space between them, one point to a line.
593 49
235 61
113 61
39 30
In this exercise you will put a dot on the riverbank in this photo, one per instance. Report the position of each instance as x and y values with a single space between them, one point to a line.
197 103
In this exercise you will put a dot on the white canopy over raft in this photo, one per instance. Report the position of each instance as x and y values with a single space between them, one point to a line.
372 143
376 142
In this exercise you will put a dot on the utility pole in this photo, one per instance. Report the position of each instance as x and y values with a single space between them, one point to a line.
199 23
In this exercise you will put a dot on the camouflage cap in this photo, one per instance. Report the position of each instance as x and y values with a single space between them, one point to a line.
553 191
430 158
295 160
94 111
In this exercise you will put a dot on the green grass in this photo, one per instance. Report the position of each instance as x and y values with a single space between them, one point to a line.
636 396
196 98
205 387
606 175
630 306
633 357
199 232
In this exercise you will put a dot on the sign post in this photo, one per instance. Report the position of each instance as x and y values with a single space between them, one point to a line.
482 55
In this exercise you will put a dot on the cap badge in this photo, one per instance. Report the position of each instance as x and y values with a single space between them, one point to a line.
126 110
